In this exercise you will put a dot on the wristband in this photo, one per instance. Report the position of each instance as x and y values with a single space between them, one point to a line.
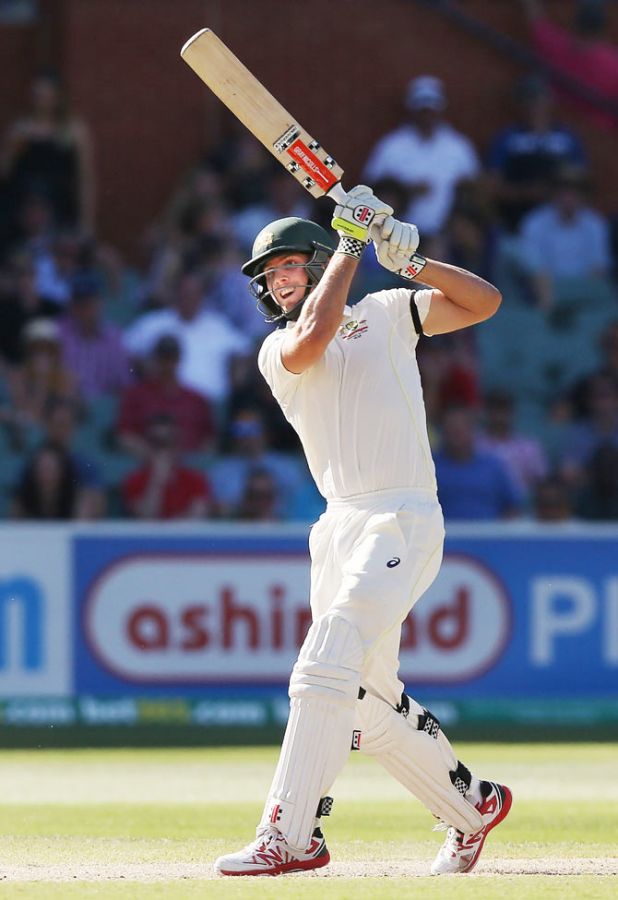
350 246
415 266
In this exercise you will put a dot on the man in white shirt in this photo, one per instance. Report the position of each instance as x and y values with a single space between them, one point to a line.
426 155
347 380
208 341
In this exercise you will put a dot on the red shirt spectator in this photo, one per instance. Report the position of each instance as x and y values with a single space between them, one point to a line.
183 489
160 393
164 488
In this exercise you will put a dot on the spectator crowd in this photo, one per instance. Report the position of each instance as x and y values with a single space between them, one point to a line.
135 393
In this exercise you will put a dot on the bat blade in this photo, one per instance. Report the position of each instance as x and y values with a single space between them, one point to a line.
262 114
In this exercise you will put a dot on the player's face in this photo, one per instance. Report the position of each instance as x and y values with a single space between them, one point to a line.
287 279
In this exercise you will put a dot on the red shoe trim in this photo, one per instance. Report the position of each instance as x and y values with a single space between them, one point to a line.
295 865
507 802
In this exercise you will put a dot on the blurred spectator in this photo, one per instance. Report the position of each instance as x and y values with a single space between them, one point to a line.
579 400
552 500
426 155
160 393
251 391
524 158
472 484
598 428
19 303
523 456
582 54
250 450
48 150
32 228
448 368
60 427
49 488
599 496
201 186
164 488
208 341
470 240
227 293
566 238
284 197
259 498
41 376
56 270
202 234
242 164
92 349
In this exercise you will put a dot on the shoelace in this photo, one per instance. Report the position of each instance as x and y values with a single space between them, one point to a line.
454 838
265 837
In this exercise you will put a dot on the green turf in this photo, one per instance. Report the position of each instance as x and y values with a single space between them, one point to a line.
514 887
80 811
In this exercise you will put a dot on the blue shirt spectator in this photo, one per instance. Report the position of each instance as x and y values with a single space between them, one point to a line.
250 451
565 239
574 247
472 484
524 157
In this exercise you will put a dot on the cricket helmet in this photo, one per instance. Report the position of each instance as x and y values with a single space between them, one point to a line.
291 235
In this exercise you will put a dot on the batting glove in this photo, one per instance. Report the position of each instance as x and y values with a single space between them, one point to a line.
395 246
354 217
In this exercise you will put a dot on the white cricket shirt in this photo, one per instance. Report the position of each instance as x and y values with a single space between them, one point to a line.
359 410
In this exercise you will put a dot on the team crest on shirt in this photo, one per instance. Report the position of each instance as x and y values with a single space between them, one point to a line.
353 329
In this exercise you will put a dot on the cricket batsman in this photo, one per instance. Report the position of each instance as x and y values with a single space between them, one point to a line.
347 380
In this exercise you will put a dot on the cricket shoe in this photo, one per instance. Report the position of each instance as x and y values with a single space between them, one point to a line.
460 852
270 854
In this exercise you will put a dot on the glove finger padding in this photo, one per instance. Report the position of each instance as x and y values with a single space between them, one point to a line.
381 231
395 251
361 209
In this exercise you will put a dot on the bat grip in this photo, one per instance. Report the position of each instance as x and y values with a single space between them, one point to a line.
337 193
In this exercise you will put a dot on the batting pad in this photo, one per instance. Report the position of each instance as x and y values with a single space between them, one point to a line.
323 691
420 761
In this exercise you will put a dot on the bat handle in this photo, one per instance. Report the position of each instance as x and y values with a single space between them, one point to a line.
337 193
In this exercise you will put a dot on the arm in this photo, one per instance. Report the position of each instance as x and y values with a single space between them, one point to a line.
131 442
150 504
459 299
320 316
322 312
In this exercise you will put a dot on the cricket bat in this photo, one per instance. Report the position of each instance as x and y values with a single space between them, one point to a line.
263 115
273 125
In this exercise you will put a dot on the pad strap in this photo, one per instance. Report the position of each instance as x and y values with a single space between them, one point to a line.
324 807
426 720
461 778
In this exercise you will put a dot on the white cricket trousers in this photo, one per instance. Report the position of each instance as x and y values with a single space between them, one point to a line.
372 557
